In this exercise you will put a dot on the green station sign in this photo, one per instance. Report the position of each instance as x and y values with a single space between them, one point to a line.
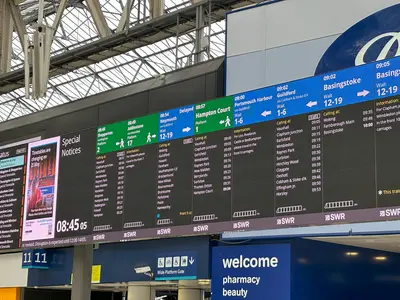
214 115
127 134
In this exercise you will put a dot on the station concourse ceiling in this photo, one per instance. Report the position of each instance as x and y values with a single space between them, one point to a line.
85 64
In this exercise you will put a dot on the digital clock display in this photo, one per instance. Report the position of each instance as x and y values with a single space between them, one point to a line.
72 225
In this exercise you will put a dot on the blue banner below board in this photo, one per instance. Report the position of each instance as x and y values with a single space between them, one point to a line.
176 266
251 272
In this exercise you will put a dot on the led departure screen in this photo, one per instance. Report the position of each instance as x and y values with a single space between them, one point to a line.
12 173
316 151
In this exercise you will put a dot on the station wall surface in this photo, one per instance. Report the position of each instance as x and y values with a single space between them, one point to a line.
319 270
186 86
11 273
331 271
293 39
118 261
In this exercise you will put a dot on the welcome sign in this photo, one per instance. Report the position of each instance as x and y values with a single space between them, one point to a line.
251 272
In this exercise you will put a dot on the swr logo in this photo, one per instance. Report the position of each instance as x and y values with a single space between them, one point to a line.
284 221
391 212
200 228
239 225
163 231
335 217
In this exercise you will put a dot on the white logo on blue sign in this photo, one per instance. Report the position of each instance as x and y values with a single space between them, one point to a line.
374 38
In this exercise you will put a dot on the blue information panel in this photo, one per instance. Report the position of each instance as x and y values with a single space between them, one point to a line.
176 123
176 266
298 97
387 78
341 88
35 259
254 107
348 87
251 272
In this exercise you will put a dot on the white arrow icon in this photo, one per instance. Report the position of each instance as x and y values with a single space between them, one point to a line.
311 104
153 136
363 93
191 260
266 113
221 122
186 129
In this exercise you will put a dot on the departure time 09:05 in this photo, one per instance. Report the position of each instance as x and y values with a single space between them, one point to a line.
71 225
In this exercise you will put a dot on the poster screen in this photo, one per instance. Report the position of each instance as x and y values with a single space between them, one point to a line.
41 189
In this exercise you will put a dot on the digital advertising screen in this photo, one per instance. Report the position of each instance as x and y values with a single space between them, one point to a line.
41 190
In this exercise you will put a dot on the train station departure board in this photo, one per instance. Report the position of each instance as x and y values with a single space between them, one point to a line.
317 151
12 175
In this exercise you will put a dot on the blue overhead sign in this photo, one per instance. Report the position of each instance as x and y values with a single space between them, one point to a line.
176 266
176 123
387 77
35 259
298 97
254 107
251 272
349 86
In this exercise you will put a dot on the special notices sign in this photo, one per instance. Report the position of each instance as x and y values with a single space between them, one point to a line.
251 272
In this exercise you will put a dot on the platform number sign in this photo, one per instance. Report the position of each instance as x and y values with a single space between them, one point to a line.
35 259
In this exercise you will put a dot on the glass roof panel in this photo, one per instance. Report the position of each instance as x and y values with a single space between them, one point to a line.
77 28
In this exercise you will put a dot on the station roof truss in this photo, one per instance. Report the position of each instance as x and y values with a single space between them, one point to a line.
88 57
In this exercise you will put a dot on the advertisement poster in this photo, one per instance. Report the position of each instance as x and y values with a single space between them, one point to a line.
41 190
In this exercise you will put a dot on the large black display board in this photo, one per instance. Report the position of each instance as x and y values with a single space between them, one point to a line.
317 151
12 175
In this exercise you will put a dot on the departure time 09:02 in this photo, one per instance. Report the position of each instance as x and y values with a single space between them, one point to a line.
71 225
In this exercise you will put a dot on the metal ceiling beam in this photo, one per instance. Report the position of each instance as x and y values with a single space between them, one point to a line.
98 17
18 21
140 35
156 8
50 10
60 11
6 30
124 21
